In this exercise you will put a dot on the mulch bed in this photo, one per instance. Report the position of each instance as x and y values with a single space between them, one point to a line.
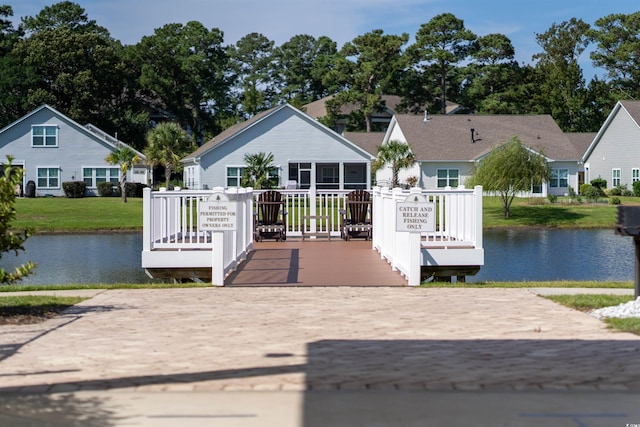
29 315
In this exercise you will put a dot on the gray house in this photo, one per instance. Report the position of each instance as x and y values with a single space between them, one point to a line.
614 153
306 154
448 146
52 149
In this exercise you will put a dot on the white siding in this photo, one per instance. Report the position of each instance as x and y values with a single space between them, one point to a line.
429 172
285 134
76 149
617 148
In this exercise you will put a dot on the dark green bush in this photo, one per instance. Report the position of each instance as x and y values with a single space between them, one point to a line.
592 193
599 182
74 189
106 189
134 189
636 188
552 198
614 201
584 188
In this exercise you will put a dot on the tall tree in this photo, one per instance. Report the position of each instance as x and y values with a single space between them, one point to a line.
302 63
15 77
562 87
440 45
10 241
397 155
183 72
75 60
370 62
508 170
167 144
618 45
125 158
253 64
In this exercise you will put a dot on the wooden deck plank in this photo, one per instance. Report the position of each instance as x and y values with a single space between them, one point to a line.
315 263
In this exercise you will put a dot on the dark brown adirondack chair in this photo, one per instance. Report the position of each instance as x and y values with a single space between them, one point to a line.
357 216
270 217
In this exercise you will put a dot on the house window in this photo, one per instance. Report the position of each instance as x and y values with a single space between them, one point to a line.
44 136
559 178
615 177
327 176
355 176
49 177
448 177
635 175
92 176
234 176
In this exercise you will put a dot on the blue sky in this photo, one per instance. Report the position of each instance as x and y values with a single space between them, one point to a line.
342 20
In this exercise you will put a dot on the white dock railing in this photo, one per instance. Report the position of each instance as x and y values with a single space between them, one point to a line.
172 237
456 241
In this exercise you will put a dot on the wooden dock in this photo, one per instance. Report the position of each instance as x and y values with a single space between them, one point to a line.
315 263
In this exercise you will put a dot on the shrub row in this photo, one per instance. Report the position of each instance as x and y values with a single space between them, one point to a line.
77 189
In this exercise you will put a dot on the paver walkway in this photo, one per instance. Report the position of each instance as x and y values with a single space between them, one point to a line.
321 338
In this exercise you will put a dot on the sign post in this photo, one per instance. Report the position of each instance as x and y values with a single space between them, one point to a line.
217 215
415 215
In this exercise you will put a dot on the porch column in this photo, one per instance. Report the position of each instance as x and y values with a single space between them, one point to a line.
341 175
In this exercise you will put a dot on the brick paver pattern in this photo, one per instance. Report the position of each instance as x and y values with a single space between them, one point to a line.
318 338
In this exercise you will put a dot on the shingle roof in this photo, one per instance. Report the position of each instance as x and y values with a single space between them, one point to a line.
448 138
633 107
581 140
228 133
368 141
318 109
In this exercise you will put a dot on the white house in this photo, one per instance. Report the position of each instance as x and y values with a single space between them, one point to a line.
446 147
614 153
306 154
52 149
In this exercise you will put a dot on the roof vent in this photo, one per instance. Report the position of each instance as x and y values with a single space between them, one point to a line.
473 137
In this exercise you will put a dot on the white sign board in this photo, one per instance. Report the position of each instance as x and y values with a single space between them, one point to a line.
217 214
415 214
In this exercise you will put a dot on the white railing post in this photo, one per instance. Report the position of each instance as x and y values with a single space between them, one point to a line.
146 219
478 215
415 252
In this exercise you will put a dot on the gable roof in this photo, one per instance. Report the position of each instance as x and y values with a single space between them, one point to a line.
239 128
89 130
368 141
317 109
581 140
448 137
631 107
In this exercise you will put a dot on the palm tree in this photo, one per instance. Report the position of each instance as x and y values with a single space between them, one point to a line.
257 169
167 143
396 153
125 157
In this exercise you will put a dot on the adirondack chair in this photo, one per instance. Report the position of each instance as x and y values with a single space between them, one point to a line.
357 218
270 217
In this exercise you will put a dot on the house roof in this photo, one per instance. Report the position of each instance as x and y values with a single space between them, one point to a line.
581 140
631 107
238 128
90 130
448 137
318 108
368 141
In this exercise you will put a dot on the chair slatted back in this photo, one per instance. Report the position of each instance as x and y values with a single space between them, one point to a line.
358 204
270 205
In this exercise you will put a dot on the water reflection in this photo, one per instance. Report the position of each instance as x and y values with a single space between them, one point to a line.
542 254
510 255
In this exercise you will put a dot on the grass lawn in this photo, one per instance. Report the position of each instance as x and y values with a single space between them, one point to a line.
32 309
555 284
587 303
63 215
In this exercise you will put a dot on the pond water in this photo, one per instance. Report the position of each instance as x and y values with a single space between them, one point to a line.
510 255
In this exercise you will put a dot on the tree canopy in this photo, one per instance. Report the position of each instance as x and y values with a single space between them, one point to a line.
189 74
508 170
